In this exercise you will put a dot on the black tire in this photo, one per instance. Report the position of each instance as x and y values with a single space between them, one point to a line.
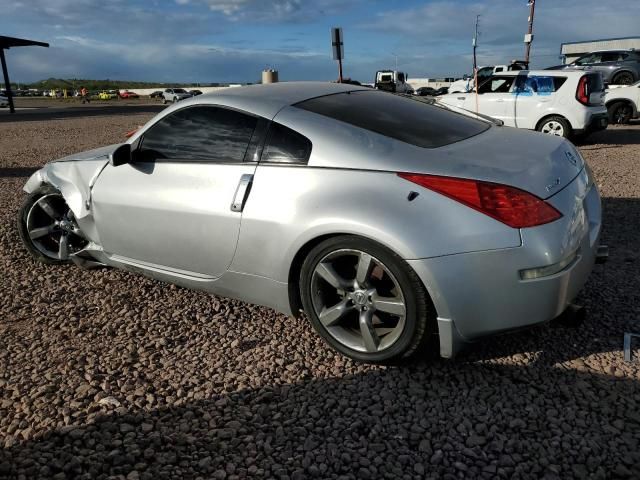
620 112
22 225
622 78
420 320
175 99
567 131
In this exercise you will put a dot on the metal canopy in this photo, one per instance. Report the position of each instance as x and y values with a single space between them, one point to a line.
6 43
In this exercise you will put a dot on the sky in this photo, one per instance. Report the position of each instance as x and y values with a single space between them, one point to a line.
234 40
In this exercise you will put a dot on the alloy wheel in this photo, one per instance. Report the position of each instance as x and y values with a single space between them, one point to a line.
622 114
553 128
358 300
52 228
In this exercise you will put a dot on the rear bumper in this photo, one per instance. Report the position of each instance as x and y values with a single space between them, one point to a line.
482 293
596 122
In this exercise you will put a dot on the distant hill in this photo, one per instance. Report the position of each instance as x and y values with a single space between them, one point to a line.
76 83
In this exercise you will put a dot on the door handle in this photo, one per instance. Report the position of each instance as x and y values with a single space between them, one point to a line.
242 192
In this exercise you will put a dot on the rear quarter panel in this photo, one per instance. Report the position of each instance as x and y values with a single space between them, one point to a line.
290 206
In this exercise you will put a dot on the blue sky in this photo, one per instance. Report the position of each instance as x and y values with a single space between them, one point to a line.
233 40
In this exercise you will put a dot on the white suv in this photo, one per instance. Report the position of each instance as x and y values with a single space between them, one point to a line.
563 103
623 103
174 95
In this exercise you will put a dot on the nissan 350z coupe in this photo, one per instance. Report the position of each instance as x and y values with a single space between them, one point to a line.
394 224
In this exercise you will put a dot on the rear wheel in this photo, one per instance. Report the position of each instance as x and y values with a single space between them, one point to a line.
365 301
620 112
622 78
555 125
48 228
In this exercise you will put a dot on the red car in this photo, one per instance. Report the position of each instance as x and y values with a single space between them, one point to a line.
128 94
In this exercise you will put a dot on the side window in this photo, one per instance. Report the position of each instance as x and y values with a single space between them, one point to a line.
284 145
539 85
589 58
401 77
497 85
199 134
611 57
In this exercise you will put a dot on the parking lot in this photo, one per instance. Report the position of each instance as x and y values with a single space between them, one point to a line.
107 374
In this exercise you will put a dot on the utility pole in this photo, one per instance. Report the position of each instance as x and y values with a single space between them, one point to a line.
528 38
475 60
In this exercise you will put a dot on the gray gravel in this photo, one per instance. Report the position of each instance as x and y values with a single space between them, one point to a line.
106 374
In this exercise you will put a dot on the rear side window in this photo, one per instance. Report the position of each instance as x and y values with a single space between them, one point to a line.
538 84
595 83
199 134
410 121
284 145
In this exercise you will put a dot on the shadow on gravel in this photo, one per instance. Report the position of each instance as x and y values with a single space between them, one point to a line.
8 172
467 420
62 113
613 135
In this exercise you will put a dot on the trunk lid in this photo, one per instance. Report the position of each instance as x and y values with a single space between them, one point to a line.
534 162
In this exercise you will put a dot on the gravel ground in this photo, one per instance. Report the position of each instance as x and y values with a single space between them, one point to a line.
106 374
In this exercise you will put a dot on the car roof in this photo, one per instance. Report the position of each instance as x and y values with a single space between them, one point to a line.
542 73
267 100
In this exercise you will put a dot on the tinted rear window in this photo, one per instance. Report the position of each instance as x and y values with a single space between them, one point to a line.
401 118
595 82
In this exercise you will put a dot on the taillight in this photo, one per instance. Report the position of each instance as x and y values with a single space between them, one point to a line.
509 205
582 93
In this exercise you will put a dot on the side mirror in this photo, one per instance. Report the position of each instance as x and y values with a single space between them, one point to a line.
465 77
120 155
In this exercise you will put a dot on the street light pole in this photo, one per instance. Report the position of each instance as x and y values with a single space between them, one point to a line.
528 38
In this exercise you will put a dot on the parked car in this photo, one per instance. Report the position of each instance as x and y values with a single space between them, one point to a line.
467 83
426 91
618 67
392 81
156 94
104 95
392 232
173 95
623 103
4 101
564 103
128 94
194 93
442 91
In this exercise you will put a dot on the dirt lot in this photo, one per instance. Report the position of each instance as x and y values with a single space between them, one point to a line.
106 374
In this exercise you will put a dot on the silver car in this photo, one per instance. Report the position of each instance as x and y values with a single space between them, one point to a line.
394 224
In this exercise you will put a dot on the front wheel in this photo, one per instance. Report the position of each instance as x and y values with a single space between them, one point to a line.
365 300
556 126
47 227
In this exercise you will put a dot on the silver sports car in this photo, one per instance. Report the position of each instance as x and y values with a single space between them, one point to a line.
394 224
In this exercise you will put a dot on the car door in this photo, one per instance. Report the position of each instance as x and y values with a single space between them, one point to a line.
494 99
535 97
177 206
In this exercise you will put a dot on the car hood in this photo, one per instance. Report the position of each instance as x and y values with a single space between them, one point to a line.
95 154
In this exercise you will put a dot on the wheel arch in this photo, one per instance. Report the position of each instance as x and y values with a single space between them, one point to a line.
613 101
624 70
546 117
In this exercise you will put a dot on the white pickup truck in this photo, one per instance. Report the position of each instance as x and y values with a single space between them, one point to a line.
558 102
467 83
392 81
